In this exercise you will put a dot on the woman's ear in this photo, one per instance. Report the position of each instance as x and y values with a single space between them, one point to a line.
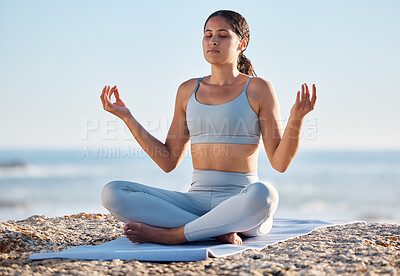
243 43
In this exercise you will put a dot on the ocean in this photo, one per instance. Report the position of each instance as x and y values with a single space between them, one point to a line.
349 185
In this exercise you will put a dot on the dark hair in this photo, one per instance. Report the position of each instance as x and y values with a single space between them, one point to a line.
241 28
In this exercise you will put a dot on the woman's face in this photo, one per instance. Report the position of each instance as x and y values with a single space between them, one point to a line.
221 45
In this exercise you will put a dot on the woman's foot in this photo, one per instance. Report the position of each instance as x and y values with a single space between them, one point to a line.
230 238
140 232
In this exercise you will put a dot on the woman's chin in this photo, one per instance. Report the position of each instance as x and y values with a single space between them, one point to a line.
214 60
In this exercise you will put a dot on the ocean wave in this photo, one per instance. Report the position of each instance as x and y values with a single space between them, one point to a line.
12 164
51 171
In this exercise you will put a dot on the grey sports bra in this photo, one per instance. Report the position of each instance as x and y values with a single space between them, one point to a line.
232 122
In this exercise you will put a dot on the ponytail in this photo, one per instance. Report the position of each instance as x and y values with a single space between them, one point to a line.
244 65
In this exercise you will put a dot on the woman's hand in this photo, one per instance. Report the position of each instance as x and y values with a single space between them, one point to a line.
118 108
303 103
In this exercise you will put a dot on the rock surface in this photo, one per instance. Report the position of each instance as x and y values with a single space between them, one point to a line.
359 248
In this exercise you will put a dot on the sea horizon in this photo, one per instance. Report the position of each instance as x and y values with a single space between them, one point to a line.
319 184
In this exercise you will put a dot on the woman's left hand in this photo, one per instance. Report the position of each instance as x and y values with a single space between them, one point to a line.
303 103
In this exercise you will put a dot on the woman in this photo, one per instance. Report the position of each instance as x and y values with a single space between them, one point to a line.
223 115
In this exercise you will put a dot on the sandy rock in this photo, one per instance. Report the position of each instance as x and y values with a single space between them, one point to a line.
360 248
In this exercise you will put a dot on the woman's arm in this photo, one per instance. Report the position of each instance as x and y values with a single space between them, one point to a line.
166 155
281 149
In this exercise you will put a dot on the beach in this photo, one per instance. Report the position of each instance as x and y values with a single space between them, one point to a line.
349 186
356 248
328 185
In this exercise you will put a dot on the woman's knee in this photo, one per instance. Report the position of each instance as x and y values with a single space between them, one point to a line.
263 193
109 194
114 193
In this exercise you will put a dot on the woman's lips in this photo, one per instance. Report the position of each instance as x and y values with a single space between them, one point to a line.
212 51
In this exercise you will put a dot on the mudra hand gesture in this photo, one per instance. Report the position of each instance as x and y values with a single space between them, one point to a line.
303 103
118 108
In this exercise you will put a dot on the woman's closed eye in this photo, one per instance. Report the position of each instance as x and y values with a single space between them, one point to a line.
221 35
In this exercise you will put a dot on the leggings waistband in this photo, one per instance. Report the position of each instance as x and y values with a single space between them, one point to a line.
212 178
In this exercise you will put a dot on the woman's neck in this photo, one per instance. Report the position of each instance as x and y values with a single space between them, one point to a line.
223 75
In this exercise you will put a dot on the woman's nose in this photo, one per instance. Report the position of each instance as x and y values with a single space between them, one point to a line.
213 42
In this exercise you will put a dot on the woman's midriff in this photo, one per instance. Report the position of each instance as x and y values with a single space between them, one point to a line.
225 157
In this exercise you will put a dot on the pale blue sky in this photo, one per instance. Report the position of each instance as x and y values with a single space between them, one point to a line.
56 56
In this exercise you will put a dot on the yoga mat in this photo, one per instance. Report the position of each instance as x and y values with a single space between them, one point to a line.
122 248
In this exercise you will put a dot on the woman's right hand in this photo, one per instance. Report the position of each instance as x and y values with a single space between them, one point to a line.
118 108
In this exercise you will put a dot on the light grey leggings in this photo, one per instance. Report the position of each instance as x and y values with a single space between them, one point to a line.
217 203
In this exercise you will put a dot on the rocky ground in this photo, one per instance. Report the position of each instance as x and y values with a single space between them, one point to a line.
359 248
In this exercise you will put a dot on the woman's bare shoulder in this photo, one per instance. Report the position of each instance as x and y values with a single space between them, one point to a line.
185 91
261 91
261 85
187 87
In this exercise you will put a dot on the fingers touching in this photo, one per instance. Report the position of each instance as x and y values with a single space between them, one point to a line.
107 93
303 97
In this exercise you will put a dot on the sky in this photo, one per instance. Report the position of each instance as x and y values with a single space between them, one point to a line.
56 56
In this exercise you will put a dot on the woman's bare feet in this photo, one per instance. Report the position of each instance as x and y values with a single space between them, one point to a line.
140 232
230 238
